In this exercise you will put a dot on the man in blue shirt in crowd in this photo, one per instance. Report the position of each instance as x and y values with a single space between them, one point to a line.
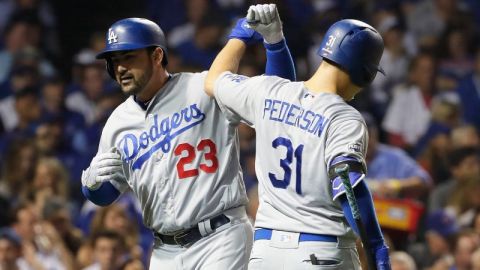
391 172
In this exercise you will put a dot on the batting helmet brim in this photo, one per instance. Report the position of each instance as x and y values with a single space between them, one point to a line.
120 47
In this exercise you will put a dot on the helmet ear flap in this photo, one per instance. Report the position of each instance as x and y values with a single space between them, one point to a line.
110 69
369 74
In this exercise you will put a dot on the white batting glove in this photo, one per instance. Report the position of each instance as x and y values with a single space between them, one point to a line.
104 167
265 20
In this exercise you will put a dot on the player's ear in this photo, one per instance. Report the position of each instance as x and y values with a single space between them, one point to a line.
158 55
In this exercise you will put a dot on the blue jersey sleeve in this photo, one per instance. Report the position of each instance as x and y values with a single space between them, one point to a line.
279 61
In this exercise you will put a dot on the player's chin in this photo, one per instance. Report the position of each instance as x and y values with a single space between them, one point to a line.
129 89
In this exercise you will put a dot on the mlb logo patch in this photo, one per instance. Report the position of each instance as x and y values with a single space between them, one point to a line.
285 238
355 147
236 78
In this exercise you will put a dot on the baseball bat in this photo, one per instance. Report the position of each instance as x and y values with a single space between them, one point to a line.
342 170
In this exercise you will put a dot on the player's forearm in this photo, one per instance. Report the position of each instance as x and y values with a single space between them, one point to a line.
228 59
367 212
279 61
103 196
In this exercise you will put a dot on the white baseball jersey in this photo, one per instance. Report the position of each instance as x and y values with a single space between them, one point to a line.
298 134
181 155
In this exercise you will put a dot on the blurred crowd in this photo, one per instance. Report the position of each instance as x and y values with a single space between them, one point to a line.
423 119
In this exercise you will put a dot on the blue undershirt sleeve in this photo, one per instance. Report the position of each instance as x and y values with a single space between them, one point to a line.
279 61
367 213
103 196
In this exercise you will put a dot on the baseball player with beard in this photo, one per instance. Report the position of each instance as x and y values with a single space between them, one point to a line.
171 146
304 131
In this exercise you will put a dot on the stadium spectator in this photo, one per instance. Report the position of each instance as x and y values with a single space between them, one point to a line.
456 61
440 231
195 11
465 169
108 250
469 92
10 250
22 77
475 261
408 114
93 87
53 106
15 39
132 264
391 172
58 213
402 261
465 245
428 19
18 168
464 136
394 61
50 179
200 49
115 218
446 115
41 242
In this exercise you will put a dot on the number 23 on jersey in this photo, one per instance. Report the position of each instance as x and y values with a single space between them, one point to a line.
205 147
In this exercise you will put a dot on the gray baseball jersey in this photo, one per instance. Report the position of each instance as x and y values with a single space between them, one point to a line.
299 133
181 155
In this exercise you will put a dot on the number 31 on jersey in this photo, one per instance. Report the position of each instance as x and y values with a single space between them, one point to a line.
285 164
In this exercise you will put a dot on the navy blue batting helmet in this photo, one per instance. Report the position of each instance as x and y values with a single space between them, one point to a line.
356 47
132 34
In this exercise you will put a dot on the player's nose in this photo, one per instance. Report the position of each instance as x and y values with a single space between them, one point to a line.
121 69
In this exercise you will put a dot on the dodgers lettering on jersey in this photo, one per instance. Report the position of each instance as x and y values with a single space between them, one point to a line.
165 130
175 155
294 115
298 134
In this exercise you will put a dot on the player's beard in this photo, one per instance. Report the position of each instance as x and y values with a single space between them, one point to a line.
137 84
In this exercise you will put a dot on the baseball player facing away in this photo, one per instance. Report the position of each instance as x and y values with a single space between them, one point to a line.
304 130
172 147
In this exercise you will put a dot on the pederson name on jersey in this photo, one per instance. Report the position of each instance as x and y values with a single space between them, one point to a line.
293 115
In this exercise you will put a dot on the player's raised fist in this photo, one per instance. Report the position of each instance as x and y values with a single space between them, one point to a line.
242 31
264 19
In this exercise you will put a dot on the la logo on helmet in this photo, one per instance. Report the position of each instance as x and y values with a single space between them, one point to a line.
112 37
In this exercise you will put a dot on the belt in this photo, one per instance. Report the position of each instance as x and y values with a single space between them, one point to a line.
266 234
192 235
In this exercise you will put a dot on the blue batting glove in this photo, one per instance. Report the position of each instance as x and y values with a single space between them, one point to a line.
382 259
244 33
